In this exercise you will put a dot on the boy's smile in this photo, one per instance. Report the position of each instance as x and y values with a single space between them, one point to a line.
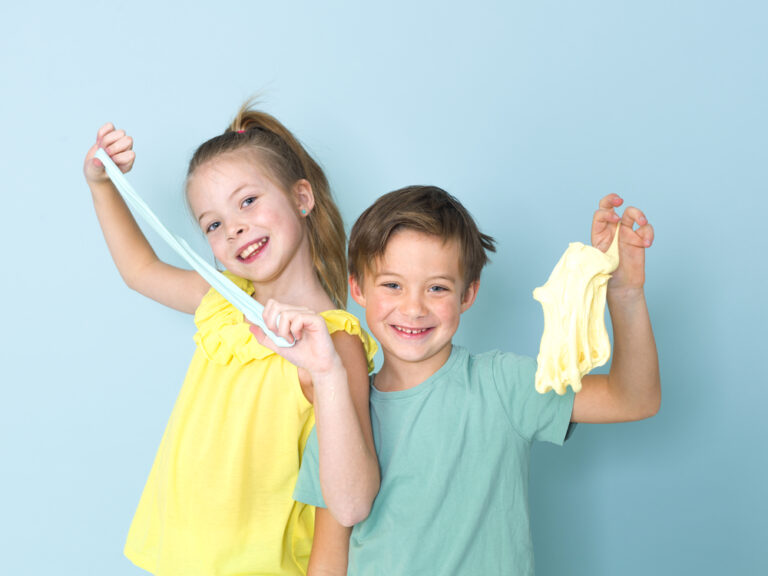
413 297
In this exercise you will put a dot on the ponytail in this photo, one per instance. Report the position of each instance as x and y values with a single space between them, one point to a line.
288 161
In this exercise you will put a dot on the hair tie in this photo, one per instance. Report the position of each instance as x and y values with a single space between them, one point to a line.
240 131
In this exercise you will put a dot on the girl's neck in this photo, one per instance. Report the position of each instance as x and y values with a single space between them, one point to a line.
297 284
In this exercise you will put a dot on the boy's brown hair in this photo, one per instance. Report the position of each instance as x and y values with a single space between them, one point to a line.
427 209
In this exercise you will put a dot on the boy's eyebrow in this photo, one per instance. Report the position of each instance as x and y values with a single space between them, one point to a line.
377 275
449 279
441 277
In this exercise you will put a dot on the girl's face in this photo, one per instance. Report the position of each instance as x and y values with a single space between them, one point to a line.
255 229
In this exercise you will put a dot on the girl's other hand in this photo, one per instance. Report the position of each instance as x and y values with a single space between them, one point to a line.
117 144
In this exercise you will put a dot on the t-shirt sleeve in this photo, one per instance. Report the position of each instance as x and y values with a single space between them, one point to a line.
534 416
307 488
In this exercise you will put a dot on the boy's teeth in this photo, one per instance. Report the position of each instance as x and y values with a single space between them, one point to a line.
411 331
252 248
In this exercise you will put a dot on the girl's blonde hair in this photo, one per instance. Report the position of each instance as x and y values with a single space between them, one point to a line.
287 161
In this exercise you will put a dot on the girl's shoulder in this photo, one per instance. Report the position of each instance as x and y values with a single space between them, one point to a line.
341 320
224 335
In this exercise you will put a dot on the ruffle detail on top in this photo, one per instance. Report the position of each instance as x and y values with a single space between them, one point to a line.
224 335
342 320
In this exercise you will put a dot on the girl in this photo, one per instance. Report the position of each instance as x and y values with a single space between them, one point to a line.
218 498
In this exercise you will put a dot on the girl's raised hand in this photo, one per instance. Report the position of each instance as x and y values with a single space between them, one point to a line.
313 349
632 241
117 144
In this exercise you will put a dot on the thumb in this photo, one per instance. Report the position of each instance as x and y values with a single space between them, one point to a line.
93 166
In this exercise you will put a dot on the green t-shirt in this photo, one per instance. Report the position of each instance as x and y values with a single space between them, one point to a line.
454 455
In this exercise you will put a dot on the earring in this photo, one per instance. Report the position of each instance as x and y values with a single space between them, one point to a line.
303 212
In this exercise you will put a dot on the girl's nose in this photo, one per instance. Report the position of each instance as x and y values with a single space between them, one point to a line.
235 229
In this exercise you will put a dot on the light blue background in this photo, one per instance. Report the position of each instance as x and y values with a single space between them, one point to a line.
527 111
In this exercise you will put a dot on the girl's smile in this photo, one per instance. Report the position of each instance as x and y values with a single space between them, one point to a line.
252 250
255 228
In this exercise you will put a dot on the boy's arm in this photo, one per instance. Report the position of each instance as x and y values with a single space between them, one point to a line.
632 388
330 547
338 370
135 259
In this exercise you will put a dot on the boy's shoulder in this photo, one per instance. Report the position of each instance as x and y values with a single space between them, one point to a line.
505 381
470 378
495 364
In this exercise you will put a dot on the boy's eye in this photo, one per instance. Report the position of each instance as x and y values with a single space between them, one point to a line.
212 226
391 285
438 289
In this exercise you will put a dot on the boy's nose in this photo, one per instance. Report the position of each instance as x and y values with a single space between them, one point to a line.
413 306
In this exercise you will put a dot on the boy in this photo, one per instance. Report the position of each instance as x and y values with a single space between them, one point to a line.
453 430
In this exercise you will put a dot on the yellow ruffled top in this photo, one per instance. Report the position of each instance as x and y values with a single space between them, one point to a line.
218 499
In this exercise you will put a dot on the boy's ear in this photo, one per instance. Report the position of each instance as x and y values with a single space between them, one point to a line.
356 291
303 196
469 296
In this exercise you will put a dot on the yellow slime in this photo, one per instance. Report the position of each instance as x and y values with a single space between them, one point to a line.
575 339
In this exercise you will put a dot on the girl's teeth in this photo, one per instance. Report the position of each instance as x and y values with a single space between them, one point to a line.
252 248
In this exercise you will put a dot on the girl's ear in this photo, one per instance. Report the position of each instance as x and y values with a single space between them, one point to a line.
303 196
356 291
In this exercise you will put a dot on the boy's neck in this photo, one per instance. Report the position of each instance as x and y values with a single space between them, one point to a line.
396 375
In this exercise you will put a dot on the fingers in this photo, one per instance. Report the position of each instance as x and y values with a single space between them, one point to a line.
643 235
604 224
116 141
124 160
103 131
605 218
288 321
110 138
117 144
647 234
610 202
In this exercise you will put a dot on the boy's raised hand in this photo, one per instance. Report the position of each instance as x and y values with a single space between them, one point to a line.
313 350
632 388
632 241
117 144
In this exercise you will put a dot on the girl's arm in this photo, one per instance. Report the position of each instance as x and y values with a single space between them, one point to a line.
632 388
349 469
338 371
330 547
137 263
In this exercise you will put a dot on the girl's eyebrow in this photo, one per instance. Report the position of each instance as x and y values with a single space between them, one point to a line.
233 193
201 217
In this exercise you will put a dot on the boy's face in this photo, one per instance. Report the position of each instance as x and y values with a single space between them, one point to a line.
413 296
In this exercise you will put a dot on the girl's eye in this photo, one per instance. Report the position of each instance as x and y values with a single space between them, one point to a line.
248 201
212 226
